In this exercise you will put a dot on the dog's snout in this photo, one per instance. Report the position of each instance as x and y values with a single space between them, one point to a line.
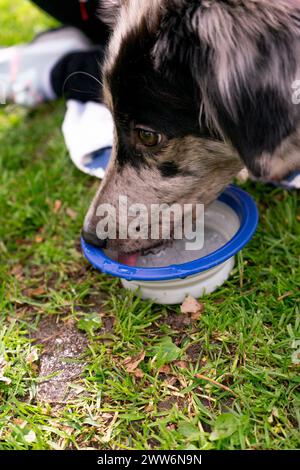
92 239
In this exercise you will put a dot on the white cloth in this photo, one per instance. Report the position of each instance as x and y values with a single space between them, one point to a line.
87 127
293 182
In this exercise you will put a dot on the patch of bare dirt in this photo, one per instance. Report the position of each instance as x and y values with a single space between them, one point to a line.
167 404
61 357
194 351
177 321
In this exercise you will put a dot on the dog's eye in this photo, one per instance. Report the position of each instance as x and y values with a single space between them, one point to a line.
149 138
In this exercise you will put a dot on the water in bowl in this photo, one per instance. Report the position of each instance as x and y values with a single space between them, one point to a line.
176 253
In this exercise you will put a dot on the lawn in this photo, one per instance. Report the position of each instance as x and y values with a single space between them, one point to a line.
121 372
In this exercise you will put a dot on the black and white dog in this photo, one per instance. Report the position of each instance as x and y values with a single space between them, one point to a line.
198 89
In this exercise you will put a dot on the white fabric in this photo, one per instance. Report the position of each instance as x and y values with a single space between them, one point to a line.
292 183
87 127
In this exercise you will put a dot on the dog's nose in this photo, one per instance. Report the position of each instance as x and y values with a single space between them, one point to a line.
92 239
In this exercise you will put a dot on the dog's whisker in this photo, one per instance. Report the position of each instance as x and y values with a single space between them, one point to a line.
79 72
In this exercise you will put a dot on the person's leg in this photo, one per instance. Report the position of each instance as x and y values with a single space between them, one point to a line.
77 75
79 13
59 67
87 128
25 70
64 62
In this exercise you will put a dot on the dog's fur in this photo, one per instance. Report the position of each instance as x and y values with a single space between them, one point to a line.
214 78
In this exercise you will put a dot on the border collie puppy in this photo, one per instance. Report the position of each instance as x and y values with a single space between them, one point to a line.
198 90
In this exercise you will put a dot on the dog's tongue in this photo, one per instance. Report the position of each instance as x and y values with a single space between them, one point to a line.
128 259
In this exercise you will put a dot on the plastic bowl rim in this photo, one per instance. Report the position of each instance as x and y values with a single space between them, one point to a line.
236 198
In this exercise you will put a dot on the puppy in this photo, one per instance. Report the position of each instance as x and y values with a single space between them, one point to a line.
198 90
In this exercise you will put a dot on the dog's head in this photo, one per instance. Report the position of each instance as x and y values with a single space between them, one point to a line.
197 89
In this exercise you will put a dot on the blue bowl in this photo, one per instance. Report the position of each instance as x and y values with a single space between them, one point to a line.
237 199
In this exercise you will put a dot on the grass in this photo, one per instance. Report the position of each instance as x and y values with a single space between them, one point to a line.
244 340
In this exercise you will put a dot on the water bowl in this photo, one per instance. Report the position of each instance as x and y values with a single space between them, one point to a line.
168 276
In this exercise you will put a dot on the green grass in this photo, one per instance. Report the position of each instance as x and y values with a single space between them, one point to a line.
244 339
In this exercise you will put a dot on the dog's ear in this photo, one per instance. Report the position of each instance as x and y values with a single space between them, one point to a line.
108 11
242 56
